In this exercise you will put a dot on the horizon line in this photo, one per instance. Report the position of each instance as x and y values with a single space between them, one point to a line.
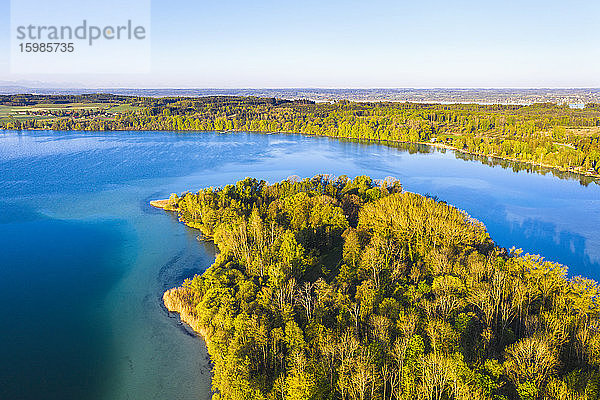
6 85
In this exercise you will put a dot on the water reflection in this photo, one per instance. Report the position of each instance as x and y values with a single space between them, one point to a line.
554 244
517 166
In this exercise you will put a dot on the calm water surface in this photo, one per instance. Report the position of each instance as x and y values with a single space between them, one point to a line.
84 259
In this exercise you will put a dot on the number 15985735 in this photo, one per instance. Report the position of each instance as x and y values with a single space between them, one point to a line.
49 47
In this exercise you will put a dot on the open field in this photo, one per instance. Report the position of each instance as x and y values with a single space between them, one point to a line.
123 108
594 130
51 111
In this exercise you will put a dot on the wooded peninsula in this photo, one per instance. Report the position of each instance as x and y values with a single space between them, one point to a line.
545 134
354 289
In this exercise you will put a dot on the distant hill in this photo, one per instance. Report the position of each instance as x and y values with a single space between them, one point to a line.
575 97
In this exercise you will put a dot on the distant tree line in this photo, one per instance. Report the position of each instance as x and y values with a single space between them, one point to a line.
34 99
542 134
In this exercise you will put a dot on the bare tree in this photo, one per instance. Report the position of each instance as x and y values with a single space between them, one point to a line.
346 348
363 375
284 294
437 377
305 297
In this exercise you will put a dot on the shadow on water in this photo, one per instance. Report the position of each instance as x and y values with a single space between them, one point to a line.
410 148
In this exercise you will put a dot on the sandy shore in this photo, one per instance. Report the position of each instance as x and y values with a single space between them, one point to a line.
159 203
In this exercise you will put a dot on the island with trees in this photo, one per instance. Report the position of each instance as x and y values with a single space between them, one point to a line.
545 134
354 289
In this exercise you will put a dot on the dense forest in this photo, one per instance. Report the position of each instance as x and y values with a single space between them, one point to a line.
36 99
347 289
542 134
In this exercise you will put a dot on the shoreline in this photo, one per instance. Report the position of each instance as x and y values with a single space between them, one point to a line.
515 160
175 300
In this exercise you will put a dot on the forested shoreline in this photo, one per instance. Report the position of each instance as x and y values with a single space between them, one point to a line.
330 288
541 134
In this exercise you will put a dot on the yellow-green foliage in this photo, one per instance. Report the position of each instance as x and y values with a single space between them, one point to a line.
353 289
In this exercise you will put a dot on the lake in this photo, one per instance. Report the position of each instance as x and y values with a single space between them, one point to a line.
85 259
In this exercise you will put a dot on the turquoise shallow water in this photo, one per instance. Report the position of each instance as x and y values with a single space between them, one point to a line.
85 259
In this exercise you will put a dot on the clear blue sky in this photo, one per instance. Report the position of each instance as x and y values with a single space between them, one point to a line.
377 43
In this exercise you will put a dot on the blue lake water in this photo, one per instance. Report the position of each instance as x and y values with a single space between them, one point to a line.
84 259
